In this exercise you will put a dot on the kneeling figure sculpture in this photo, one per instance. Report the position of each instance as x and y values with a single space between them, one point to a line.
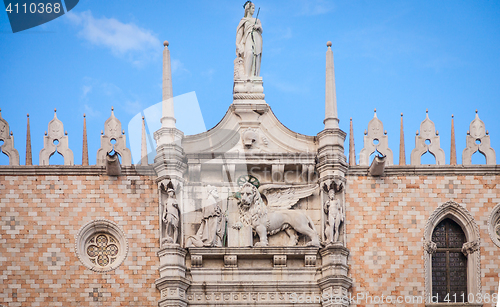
254 212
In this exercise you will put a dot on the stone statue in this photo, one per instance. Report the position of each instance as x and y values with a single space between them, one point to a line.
334 211
248 45
276 216
170 216
213 225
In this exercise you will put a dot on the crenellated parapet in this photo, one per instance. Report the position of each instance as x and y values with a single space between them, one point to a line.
375 140
113 139
427 141
56 140
8 142
478 139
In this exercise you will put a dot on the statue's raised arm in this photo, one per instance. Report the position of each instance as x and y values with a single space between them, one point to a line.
248 44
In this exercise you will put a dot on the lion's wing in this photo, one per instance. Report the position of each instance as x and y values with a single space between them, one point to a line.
282 197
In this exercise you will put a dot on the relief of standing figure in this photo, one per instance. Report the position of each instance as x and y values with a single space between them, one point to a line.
334 211
249 42
170 216
213 225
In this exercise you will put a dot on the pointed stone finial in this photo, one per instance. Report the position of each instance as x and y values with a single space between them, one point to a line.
402 154
453 148
352 152
331 118
85 149
168 117
29 160
144 144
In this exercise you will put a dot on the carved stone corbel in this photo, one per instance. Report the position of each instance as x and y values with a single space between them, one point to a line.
471 247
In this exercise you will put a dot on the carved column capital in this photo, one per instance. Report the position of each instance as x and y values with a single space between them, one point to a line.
430 247
471 247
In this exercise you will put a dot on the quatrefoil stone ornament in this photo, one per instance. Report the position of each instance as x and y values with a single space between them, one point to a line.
102 250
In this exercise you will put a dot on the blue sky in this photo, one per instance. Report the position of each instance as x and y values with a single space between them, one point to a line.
395 56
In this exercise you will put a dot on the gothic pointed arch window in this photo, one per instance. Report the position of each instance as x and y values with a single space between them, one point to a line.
449 264
451 256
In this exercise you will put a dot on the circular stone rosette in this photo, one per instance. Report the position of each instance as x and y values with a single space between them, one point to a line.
494 225
101 245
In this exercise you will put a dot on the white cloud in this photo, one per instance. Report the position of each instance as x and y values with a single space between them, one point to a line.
125 40
315 7
208 73
178 67
86 89
91 112
133 107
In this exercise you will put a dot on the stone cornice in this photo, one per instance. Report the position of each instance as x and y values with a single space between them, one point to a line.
436 170
74 170
270 251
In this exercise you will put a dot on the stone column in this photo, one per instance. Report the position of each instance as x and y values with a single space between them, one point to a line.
170 166
172 282
332 166
334 283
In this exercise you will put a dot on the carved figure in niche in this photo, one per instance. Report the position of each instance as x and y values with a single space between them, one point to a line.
170 215
276 216
334 211
248 43
213 225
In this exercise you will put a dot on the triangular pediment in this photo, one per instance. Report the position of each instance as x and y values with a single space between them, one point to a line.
249 129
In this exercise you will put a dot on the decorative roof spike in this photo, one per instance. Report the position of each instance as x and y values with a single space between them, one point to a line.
29 159
144 145
352 152
453 147
85 149
402 154
331 118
